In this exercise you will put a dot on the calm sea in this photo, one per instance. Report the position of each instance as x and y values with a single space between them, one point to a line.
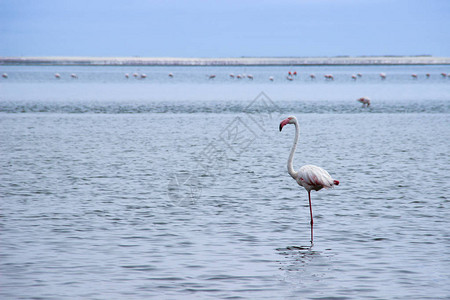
176 187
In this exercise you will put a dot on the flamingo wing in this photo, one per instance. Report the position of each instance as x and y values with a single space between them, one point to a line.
314 178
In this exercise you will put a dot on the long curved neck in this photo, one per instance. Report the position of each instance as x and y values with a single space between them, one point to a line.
290 165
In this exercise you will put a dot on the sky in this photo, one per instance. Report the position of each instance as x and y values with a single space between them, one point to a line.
233 28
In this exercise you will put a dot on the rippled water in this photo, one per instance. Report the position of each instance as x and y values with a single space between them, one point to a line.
177 188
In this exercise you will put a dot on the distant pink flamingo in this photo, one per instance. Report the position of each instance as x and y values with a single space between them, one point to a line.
328 76
312 76
310 177
365 101
271 78
4 75
57 76
414 75
171 75
74 76
354 77
212 76
383 76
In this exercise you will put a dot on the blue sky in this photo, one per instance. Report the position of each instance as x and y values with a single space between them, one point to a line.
201 28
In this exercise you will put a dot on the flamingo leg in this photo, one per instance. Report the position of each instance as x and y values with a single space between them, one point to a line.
310 211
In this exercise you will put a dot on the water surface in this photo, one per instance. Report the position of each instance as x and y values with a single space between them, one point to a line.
177 188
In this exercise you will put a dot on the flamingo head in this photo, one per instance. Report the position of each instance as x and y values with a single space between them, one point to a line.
288 120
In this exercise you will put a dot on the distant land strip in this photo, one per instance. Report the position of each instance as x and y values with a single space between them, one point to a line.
238 61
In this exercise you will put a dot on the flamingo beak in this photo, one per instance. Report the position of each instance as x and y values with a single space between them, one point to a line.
284 122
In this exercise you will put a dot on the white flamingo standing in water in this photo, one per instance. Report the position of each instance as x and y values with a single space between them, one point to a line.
310 177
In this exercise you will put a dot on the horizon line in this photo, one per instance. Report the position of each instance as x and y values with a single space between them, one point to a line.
225 61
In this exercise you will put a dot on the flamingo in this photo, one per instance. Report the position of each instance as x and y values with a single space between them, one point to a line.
359 75
4 75
383 76
231 75
57 76
212 76
271 78
414 75
171 75
250 76
354 77
312 76
428 75
73 75
365 101
328 76
143 76
310 177
127 76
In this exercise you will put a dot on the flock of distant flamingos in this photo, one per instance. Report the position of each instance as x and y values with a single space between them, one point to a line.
290 77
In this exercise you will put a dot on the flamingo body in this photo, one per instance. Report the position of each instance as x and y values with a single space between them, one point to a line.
365 101
314 178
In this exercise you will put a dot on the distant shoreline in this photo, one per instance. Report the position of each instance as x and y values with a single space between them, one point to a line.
238 61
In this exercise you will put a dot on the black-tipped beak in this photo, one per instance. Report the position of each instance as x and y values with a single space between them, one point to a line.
284 122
